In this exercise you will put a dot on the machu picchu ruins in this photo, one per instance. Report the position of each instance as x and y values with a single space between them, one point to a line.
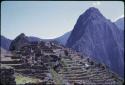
62 43
51 64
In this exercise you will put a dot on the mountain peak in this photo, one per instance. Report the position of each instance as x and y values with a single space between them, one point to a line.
92 9
96 37
22 34
93 14
18 42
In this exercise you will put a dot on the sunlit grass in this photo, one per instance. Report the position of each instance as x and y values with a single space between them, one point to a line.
56 77
5 66
21 79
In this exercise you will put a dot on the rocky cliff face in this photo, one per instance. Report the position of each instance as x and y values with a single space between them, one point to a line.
99 38
18 42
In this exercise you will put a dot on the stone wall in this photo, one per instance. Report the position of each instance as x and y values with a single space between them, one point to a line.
7 76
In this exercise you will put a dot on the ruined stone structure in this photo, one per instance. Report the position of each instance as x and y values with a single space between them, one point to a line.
7 76
55 64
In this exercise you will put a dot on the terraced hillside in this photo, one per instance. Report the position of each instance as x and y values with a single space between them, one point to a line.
50 63
87 73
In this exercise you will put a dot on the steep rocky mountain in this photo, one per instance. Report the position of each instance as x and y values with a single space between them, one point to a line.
33 39
97 37
120 23
18 42
5 42
63 39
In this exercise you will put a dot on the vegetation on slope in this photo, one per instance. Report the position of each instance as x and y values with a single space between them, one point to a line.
21 79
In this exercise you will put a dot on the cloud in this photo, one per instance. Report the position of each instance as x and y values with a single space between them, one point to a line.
97 3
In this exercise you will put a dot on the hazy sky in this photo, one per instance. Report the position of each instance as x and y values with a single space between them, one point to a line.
50 19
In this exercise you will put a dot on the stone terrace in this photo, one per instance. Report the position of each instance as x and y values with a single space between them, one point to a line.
55 64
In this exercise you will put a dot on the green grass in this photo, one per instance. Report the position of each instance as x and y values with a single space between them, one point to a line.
21 79
5 66
56 77
63 63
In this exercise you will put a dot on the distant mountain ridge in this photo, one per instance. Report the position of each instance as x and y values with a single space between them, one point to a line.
22 40
63 39
33 39
5 42
120 23
100 39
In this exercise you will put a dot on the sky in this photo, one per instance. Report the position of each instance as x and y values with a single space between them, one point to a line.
50 19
